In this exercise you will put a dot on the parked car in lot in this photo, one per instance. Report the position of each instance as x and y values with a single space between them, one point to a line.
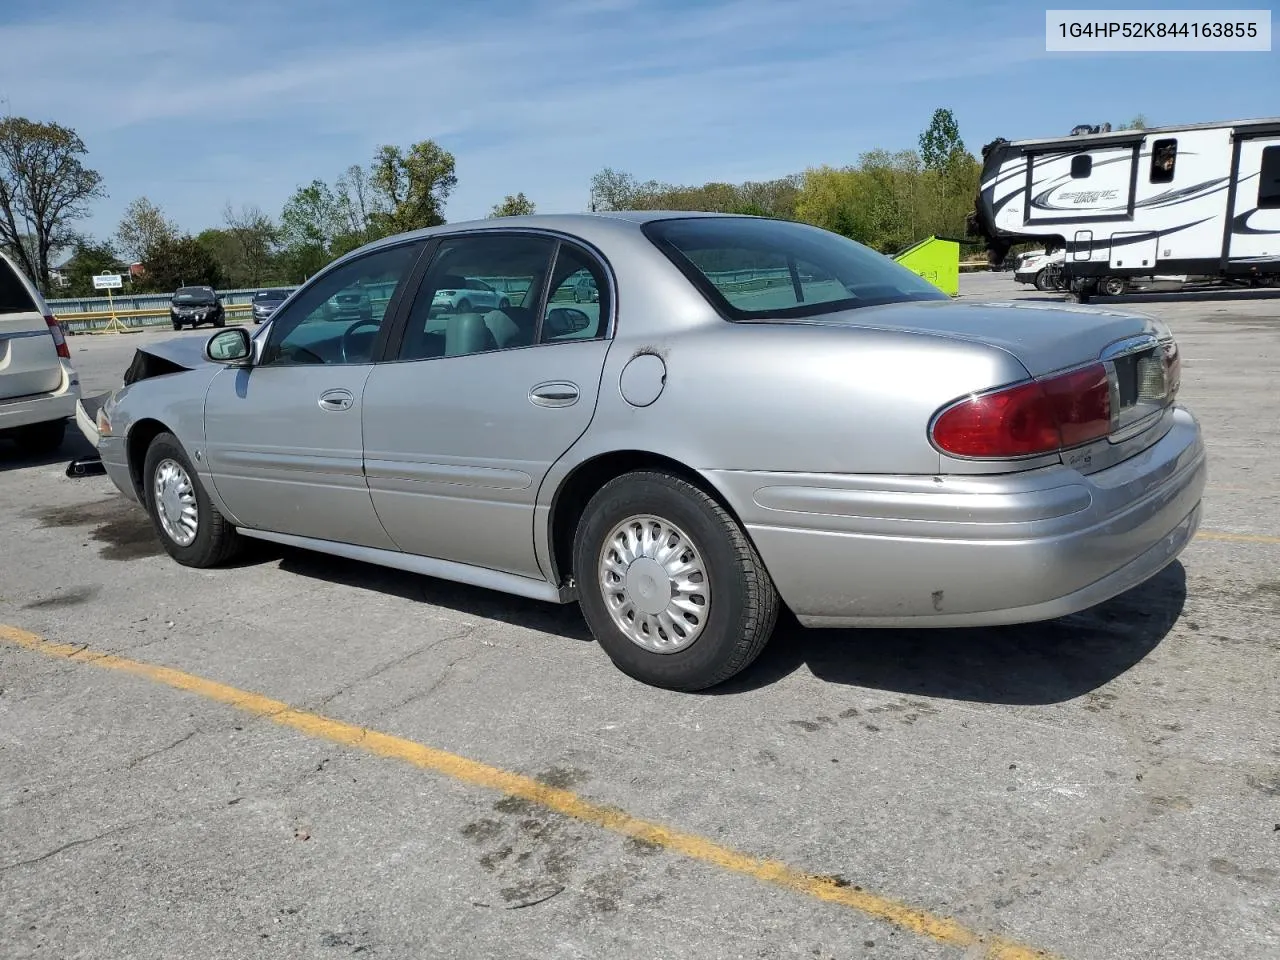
586 291
464 293
265 303
192 306
839 437
38 386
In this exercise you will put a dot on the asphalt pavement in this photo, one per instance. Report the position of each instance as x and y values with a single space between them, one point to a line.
307 757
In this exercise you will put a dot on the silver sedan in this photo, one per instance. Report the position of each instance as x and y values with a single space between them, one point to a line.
754 414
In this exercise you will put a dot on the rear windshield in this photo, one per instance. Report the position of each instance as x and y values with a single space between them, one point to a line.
14 297
755 269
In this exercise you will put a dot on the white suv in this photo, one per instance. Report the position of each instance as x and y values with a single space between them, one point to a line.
38 386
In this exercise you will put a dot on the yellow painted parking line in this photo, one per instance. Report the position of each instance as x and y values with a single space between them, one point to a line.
1235 537
943 930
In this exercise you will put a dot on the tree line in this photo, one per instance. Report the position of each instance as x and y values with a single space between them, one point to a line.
887 200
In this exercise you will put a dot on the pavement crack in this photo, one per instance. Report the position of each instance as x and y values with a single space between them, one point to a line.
391 665
66 846
136 761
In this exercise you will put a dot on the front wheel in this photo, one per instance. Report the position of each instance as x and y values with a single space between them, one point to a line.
464 306
177 325
191 529
1042 280
669 584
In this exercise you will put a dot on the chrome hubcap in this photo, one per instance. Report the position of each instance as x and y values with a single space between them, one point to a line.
176 503
655 584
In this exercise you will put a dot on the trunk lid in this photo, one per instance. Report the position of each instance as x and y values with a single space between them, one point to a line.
1138 351
1044 337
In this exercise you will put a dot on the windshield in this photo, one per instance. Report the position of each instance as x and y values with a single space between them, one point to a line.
193 295
755 269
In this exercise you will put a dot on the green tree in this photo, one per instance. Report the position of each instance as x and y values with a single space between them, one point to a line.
181 262
411 187
88 259
44 188
1137 123
940 143
254 238
513 205
142 227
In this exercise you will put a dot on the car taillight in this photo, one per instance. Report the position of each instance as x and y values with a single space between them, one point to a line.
59 341
1039 417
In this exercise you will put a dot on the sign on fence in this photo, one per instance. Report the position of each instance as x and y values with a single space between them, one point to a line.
108 281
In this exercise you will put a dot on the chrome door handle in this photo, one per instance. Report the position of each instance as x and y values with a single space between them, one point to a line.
558 394
337 400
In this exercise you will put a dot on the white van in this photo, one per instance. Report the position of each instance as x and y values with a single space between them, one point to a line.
38 386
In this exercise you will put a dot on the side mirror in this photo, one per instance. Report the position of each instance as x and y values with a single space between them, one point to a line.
231 346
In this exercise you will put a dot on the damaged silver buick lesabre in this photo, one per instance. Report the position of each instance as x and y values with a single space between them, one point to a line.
753 413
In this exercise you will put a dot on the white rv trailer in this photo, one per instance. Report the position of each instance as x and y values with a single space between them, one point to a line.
1202 200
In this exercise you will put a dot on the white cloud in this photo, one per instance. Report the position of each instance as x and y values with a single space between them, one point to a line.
534 99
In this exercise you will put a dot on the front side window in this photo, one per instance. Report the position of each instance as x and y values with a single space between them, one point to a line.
480 294
336 320
762 269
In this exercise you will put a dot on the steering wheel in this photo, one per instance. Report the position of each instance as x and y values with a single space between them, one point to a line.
346 336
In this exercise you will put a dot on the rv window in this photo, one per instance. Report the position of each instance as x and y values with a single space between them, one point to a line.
1081 166
1269 178
1164 154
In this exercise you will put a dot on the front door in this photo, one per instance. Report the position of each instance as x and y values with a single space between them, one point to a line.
460 430
283 438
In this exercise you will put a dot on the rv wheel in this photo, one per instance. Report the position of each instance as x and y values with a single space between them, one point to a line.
1114 286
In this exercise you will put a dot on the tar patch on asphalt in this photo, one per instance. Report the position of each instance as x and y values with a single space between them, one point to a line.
120 526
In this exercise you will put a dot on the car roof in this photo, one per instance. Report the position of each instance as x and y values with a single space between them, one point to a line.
588 226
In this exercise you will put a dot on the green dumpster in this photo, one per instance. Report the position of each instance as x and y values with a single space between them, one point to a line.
937 260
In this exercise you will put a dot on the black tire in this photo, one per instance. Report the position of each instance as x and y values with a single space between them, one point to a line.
504 303
176 325
464 306
40 439
1042 279
220 322
1113 286
744 604
216 540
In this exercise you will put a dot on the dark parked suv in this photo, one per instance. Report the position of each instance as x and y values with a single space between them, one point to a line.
196 305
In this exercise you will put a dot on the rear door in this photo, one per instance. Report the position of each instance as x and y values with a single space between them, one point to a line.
463 423
28 357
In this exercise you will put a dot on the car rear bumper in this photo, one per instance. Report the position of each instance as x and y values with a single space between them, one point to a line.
42 407
851 551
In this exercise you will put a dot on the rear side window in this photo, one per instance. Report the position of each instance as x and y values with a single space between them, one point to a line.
14 297
1269 179
754 269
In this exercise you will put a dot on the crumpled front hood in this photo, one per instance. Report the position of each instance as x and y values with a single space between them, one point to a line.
186 352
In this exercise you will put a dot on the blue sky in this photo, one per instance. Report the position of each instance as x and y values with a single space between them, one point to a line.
194 108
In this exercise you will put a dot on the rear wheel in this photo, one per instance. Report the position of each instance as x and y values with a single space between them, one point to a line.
669 584
41 438
191 529
1114 286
